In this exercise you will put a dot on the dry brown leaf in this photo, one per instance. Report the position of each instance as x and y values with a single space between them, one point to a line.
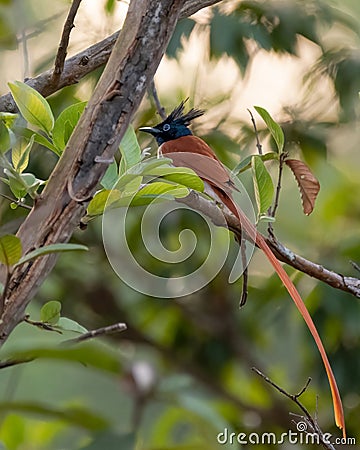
309 186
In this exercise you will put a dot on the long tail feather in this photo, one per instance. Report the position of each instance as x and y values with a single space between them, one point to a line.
338 409
289 285
193 152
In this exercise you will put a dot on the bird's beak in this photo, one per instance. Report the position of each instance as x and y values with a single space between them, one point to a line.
153 131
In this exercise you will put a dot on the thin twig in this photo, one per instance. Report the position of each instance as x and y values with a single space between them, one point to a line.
258 144
43 325
192 6
37 28
25 52
303 389
355 265
160 109
104 331
283 253
64 42
278 185
111 329
244 291
295 398
18 202
14 362
271 213
85 62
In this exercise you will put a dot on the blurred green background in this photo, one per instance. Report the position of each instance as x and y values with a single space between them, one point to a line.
181 373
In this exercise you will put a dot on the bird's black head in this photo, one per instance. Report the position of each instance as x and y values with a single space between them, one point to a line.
175 125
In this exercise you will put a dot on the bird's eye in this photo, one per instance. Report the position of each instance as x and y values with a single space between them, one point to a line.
166 127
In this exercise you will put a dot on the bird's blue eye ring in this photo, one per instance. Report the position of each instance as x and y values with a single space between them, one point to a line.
166 127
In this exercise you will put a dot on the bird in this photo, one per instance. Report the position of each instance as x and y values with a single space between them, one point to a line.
176 141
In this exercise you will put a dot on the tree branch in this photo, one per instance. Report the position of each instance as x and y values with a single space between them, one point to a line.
103 331
333 279
159 108
75 68
85 62
99 332
193 6
117 96
258 144
278 189
64 42
312 423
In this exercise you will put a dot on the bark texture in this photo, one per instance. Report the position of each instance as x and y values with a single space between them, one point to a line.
131 66
78 66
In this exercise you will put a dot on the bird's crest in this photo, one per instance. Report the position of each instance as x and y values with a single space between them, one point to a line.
177 115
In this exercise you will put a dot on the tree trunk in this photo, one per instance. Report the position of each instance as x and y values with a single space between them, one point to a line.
136 55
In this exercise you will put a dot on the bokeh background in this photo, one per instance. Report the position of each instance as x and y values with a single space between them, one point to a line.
183 368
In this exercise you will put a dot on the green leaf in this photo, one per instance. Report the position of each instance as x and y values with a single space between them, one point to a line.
183 29
20 154
145 167
50 312
5 142
140 169
17 188
13 433
51 248
32 105
28 179
31 183
129 148
110 6
158 190
130 181
245 164
152 193
227 37
23 183
65 124
180 175
66 324
131 186
263 185
89 354
74 415
181 179
122 167
110 177
39 138
101 199
8 119
10 249
274 128
126 180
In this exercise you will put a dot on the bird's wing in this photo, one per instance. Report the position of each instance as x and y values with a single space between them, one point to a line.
193 152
